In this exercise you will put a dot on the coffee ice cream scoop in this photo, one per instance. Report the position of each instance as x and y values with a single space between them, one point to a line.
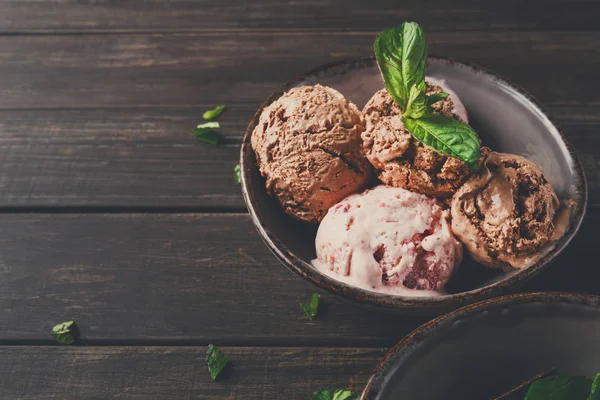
504 215
308 147
403 161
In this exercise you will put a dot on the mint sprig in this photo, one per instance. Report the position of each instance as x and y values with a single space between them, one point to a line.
418 103
334 394
401 55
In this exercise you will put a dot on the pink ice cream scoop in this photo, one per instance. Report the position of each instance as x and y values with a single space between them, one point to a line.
388 240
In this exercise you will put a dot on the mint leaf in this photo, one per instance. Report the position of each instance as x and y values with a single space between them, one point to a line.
63 327
205 132
335 394
417 106
214 113
217 361
595 393
345 395
559 387
447 136
434 98
236 174
65 338
64 333
311 309
402 56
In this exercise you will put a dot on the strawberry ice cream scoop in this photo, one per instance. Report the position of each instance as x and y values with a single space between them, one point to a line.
388 240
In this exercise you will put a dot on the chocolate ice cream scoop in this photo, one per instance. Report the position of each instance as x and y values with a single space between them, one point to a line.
504 215
403 161
308 147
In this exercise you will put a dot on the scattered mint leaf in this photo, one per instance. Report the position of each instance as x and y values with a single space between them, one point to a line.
206 132
402 56
217 361
63 327
312 308
447 136
335 394
559 387
236 175
434 98
65 338
214 113
64 332
595 392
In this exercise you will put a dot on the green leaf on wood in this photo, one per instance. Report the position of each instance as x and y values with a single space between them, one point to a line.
312 308
216 359
214 113
64 333
206 132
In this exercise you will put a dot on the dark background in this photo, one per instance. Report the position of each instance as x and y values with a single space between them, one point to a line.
113 214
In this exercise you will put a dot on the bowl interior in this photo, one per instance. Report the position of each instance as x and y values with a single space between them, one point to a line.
507 121
491 348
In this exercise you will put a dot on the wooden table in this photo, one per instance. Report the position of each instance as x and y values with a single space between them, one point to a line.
114 215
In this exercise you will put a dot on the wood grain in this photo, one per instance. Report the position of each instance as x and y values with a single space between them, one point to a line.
29 373
98 98
126 158
148 158
192 279
78 71
191 15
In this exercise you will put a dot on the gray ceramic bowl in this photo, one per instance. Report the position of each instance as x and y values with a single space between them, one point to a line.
506 118
479 351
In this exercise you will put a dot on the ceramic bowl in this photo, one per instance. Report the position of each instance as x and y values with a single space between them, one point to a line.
506 118
482 350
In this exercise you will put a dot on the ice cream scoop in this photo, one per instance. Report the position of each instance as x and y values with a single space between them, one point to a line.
308 147
388 240
403 161
504 215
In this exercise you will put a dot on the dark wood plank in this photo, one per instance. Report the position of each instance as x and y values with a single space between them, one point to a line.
206 68
118 158
69 15
191 279
148 158
174 278
179 372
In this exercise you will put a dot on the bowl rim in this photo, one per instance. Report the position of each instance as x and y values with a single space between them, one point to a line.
409 344
416 304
